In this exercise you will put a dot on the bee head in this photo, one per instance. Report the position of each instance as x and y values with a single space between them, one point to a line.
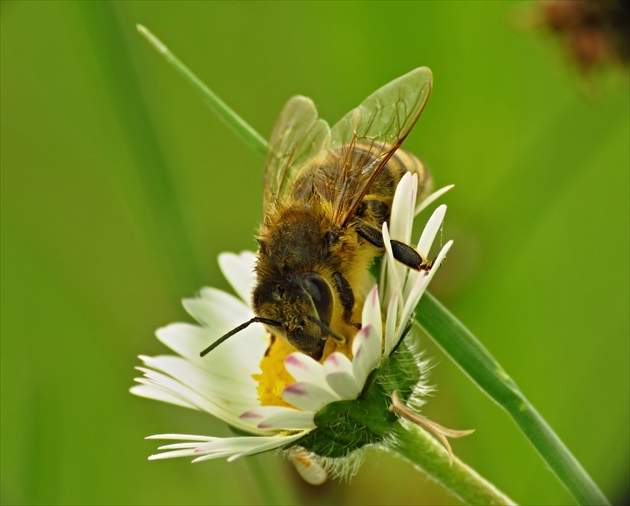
303 305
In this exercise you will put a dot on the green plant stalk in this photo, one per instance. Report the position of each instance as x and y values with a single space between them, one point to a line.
417 446
470 355
449 333
220 108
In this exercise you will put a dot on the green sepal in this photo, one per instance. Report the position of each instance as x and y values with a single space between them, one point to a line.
400 372
346 426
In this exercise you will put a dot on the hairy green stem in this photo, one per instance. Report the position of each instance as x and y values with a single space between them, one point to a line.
455 339
423 451
470 355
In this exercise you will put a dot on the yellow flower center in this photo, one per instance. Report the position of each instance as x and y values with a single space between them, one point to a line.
274 378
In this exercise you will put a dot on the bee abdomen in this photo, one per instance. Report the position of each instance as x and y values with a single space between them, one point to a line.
402 162
397 166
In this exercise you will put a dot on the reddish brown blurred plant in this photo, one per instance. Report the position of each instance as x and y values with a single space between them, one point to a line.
595 33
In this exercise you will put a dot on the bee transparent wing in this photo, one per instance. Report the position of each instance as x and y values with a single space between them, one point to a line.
379 126
298 136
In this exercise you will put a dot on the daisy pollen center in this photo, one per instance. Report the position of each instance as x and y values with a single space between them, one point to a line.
274 377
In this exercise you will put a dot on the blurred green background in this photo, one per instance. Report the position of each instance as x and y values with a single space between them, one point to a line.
119 189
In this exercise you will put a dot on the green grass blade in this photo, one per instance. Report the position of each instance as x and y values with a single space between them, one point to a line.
231 119
449 333
470 355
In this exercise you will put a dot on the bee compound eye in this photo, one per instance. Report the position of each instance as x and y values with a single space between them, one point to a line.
319 292
314 288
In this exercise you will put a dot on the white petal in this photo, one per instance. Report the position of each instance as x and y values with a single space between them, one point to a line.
424 246
235 447
390 324
157 394
185 339
183 437
403 204
279 417
411 302
212 447
418 290
226 411
308 397
305 369
220 384
371 315
432 198
239 271
340 376
367 354
298 420
214 306
395 272
430 231
173 454
438 261
238 356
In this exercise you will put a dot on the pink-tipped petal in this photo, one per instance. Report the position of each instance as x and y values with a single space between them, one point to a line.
368 353
305 369
371 315
279 417
308 397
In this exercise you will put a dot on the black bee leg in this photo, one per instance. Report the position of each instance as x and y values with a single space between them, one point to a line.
409 256
345 294
371 234
402 252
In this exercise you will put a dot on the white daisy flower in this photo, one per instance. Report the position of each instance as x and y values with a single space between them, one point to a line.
278 400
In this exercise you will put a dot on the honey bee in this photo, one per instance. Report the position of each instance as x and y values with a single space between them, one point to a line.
327 193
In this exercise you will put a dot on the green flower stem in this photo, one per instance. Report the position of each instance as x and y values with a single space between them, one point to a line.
455 339
470 355
231 119
423 451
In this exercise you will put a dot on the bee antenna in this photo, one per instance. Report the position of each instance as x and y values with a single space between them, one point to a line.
242 326
326 328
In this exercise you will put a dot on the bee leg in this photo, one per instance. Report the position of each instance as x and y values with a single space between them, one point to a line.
409 256
345 294
402 252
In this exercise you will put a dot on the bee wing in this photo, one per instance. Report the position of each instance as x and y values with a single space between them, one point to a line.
298 136
379 125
